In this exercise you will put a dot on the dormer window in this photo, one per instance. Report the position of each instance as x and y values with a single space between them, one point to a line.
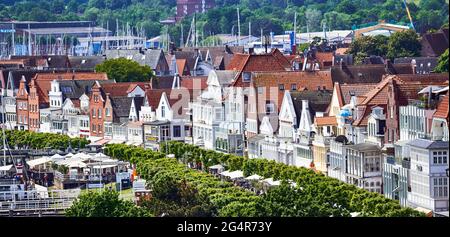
246 76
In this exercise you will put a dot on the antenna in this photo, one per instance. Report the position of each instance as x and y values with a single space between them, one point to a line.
13 32
182 35
409 15
29 40
117 32
295 28
239 28
249 31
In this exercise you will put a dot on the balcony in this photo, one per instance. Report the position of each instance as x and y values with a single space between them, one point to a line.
319 139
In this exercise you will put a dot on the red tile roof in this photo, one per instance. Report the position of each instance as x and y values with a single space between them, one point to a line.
304 80
121 88
325 121
341 51
197 83
407 87
344 91
274 61
442 110
43 81
324 57
181 65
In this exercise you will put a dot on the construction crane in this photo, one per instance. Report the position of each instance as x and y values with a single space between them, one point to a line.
409 15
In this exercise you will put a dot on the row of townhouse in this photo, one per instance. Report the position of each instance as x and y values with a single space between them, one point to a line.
358 124
344 122
87 104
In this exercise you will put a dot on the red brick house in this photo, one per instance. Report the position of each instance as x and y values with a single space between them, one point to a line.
401 89
189 7
96 105
33 101
22 105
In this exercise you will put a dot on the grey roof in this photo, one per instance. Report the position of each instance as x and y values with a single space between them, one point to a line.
53 61
421 63
78 87
152 57
429 144
157 122
148 57
138 103
318 101
121 107
225 77
86 62
372 73
363 147
257 138
162 82
190 57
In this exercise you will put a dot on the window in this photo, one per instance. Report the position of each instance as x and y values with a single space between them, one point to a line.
281 87
246 76
66 89
177 131
218 114
163 111
93 113
100 113
293 87
440 157
270 108
260 90
107 113
440 187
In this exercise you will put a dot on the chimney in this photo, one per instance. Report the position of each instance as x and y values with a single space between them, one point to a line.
414 66
251 51
305 105
171 48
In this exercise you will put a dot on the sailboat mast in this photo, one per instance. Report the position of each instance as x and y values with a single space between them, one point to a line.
239 28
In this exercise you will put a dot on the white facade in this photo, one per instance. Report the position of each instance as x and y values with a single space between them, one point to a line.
55 95
414 122
439 129
429 181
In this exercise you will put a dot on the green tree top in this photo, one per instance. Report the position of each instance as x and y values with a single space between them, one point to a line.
104 204
125 70
404 44
443 63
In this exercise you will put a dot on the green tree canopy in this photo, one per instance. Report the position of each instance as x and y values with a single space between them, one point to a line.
443 63
366 46
104 204
125 70
404 44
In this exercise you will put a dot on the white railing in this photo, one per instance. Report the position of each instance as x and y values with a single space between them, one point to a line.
43 201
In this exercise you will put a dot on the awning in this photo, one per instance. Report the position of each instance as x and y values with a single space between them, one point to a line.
225 173
6 168
254 177
235 174
39 161
103 166
57 156
116 142
428 212
271 182
216 167
100 142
